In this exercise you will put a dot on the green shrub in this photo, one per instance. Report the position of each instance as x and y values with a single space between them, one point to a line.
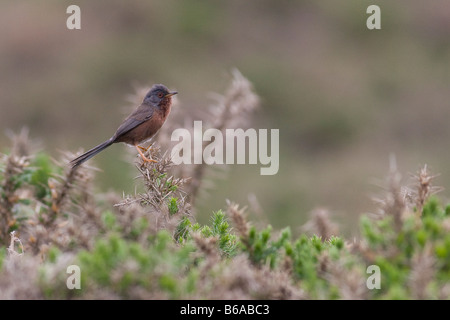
147 245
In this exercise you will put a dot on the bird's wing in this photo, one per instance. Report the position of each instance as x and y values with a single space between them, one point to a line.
142 114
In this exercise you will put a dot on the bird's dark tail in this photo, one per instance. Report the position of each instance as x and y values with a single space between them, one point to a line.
89 154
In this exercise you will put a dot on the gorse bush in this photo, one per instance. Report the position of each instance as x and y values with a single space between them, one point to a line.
149 246
414 259
125 254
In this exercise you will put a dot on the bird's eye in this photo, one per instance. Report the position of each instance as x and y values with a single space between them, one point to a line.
160 95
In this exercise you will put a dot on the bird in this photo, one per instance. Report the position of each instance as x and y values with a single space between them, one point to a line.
139 126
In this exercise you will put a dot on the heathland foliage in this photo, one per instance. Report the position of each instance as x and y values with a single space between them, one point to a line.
148 245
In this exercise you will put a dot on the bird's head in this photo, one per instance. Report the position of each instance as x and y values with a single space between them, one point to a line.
158 94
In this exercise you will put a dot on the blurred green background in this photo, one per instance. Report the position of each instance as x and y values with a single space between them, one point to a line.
343 97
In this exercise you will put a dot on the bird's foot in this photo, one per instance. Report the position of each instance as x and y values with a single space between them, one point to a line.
148 160
144 158
144 149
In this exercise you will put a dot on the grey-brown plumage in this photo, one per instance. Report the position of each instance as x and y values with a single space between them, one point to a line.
139 126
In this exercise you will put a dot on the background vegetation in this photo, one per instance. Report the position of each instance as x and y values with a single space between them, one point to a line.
343 97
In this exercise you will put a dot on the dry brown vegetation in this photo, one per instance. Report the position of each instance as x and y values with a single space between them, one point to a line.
147 245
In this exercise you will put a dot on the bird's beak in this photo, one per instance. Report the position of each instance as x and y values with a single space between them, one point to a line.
170 94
